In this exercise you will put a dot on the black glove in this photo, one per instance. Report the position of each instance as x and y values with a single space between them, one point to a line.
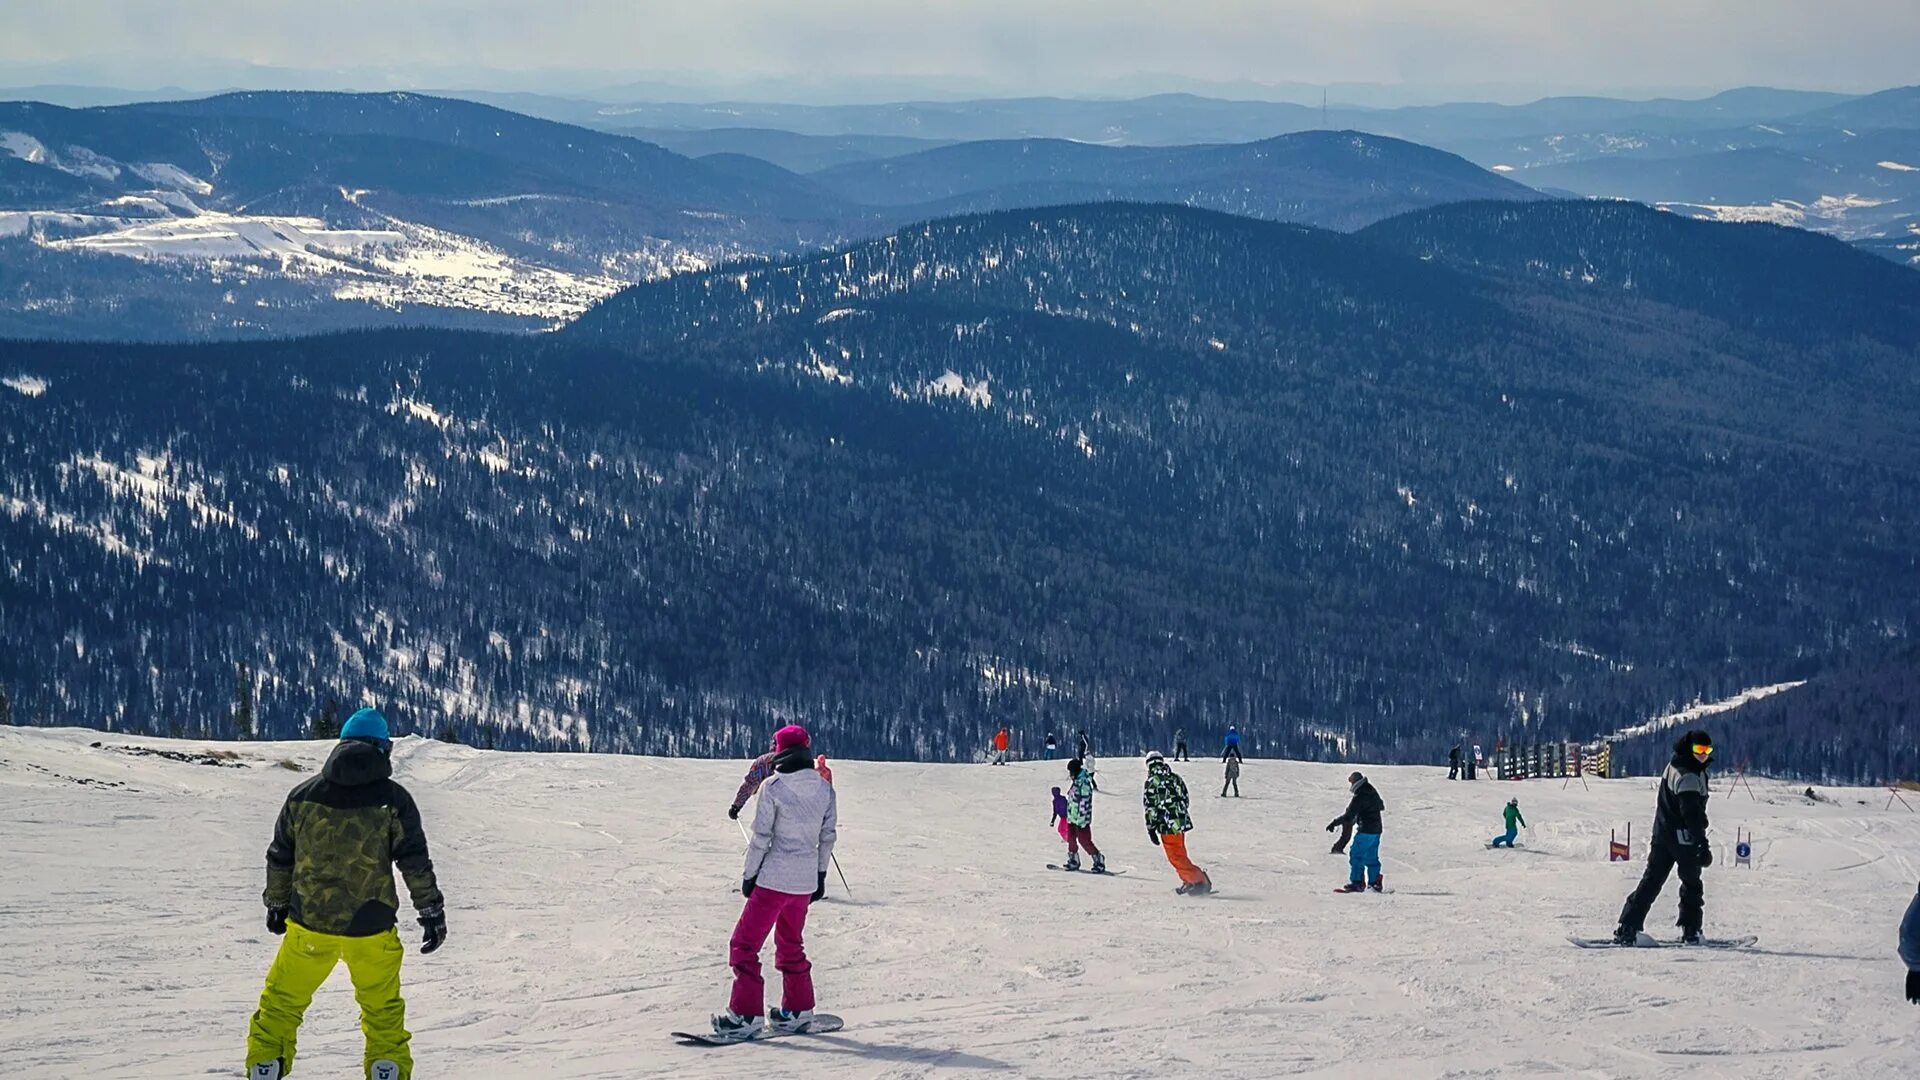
1913 987
819 892
1333 826
276 921
733 813
746 887
1153 836
1706 854
434 922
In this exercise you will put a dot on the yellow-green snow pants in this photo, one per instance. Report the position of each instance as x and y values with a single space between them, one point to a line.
305 960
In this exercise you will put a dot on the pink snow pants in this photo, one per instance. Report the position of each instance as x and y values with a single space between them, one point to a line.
785 916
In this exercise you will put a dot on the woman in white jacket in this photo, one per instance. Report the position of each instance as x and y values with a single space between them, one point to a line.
787 859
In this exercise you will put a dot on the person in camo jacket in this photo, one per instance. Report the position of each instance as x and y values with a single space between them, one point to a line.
330 895
1168 823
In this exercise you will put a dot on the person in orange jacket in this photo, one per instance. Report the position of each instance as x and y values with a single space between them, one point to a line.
1000 740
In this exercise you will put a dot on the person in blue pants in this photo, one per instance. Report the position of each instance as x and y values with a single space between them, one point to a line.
1514 822
1363 856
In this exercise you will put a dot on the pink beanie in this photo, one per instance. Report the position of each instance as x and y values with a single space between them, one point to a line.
791 736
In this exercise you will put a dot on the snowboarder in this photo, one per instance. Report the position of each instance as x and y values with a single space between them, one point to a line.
757 774
1453 762
1679 840
1514 822
1232 758
1000 739
1053 745
330 897
1168 823
1061 811
1080 816
1180 745
786 871
1910 948
1363 814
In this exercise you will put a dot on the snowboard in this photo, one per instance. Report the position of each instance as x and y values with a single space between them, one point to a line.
1648 941
1109 872
823 1024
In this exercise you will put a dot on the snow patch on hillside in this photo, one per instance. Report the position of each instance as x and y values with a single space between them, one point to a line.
977 393
1701 710
30 385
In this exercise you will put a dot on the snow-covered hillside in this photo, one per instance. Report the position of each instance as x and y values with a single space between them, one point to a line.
590 900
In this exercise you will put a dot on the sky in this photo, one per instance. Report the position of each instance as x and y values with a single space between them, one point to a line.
1512 49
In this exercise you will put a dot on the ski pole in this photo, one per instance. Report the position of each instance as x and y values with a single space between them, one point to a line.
842 873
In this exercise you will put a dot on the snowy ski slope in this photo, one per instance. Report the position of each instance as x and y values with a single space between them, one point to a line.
590 899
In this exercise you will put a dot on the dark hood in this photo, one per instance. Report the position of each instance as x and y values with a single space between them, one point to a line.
355 764
793 759
1683 751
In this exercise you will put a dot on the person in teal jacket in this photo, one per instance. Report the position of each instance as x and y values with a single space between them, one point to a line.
1514 822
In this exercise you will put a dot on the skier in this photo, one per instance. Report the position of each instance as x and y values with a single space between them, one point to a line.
1679 839
757 774
1052 745
1061 811
1086 746
1363 814
330 896
1180 745
1232 758
1453 762
1910 948
1514 821
1233 739
1168 823
786 870
1000 747
1080 817
820 766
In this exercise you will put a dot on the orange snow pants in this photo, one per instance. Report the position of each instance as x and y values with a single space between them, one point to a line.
1175 845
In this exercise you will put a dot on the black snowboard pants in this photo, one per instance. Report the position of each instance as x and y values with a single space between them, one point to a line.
1661 862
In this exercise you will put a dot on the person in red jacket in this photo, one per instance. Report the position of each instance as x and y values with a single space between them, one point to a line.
1000 747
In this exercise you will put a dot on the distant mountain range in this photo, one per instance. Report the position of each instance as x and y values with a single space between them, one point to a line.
272 213
1524 468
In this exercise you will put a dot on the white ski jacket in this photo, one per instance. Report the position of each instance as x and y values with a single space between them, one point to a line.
794 828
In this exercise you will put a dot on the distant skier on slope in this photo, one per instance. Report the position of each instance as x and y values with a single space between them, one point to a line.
1086 748
794 827
1061 812
1453 762
1168 822
1000 741
1514 822
1232 741
1910 948
1679 840
1232 758
1180 745
1080 817
330 893
1053 746
1363 814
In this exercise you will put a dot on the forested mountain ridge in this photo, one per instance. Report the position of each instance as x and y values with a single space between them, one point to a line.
1132 467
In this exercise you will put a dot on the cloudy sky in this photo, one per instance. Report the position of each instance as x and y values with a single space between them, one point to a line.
998 46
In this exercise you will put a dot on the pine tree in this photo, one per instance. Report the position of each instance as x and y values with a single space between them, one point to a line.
243 702
6 708
447 735
486 733
328 726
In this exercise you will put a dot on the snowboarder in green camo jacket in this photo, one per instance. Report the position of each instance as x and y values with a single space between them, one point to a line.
330 893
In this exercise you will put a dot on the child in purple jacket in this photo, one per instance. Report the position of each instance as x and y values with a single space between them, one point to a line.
1060 813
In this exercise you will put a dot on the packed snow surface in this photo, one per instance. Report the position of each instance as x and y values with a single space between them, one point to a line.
590 899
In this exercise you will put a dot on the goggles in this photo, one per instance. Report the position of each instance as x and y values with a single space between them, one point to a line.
1702 750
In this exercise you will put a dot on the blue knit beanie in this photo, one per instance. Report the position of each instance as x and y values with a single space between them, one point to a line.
367 724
